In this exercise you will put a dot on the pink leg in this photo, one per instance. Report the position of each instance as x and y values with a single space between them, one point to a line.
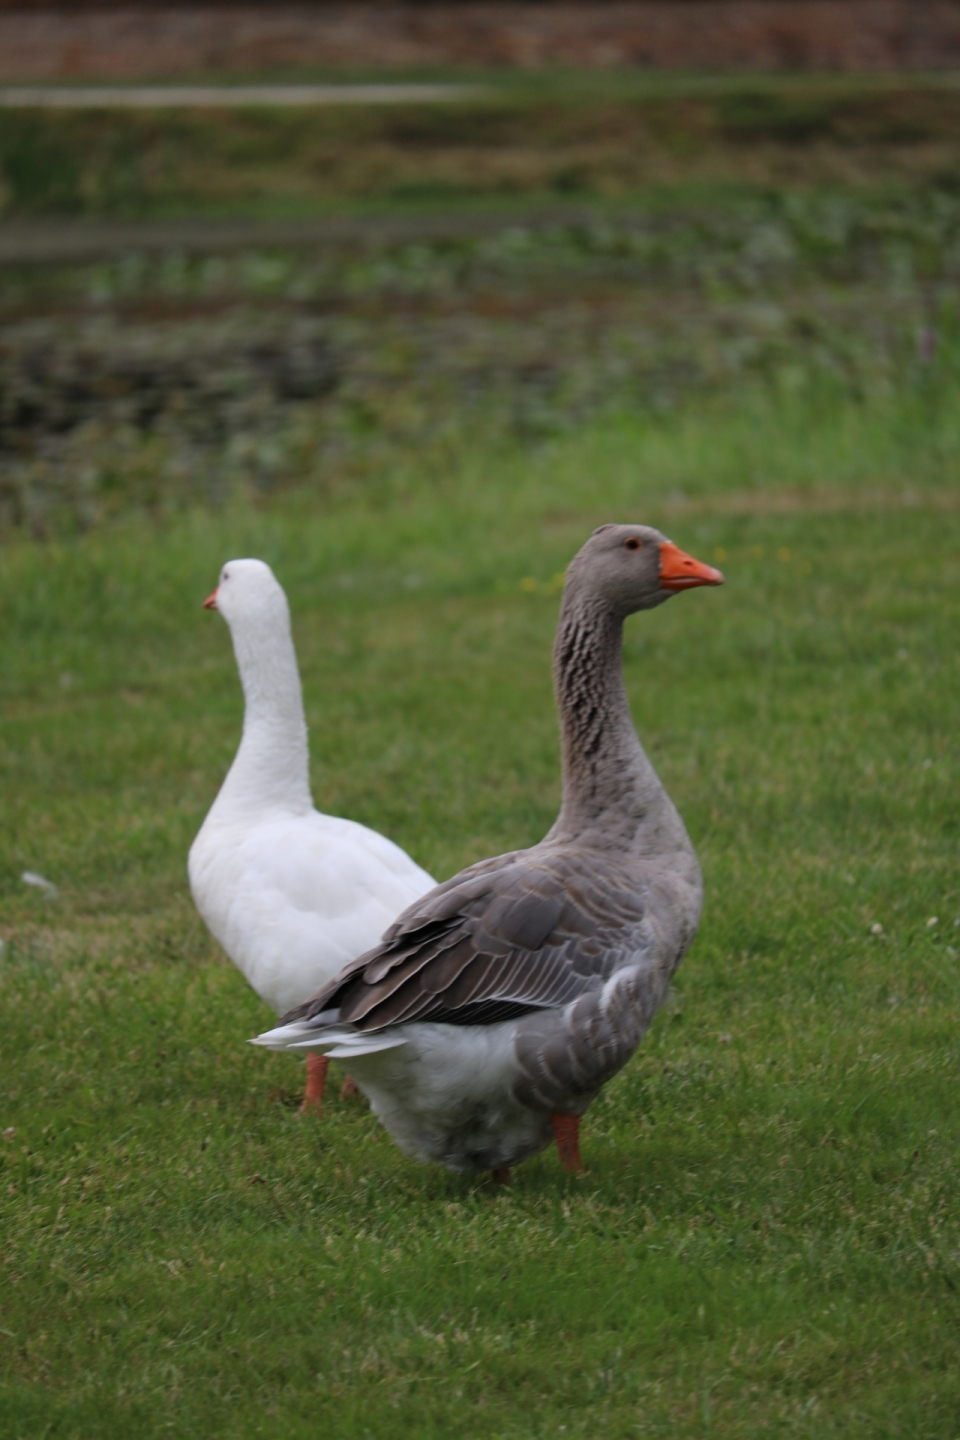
317 1066
349 1089
566 1132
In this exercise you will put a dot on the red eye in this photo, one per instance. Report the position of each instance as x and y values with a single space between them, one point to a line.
633 543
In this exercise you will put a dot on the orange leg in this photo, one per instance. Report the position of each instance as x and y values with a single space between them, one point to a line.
316 1076
566 1132
349 1089
501 1176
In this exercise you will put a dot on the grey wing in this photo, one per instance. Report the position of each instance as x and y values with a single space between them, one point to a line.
521 933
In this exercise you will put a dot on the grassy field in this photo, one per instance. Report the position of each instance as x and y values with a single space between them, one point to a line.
767 1238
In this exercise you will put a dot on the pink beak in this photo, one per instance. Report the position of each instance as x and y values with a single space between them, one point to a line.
211 602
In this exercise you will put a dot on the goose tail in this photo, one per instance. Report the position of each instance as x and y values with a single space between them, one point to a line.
337 1042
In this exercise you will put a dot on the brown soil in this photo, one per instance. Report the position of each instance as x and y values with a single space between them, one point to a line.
38 43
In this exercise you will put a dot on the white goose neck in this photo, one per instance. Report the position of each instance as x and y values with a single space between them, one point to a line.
272 767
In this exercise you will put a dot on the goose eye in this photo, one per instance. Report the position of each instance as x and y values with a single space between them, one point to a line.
633 543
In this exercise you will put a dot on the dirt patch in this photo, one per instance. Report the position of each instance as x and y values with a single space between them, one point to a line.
127 42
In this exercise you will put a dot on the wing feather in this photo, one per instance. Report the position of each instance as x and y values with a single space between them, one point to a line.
527 931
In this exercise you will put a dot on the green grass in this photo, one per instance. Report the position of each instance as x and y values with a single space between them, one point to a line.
766 1240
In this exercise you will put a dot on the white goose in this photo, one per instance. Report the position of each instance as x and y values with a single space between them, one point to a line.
496 1007
290 894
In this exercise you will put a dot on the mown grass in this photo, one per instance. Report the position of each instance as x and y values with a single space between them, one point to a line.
766 1240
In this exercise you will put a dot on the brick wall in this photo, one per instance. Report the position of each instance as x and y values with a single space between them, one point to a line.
126 43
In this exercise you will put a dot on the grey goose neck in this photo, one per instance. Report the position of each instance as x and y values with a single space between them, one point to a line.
612 795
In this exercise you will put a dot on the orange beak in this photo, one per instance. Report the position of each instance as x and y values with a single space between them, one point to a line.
679 571
211 602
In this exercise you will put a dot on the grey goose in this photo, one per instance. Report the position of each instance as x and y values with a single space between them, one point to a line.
496 1007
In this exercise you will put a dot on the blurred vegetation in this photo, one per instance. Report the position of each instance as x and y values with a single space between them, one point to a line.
602 136
796 235
160 383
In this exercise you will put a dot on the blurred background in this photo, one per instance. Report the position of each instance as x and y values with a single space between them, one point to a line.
204 292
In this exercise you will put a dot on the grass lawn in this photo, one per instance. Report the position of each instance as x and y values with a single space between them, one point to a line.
418 437
766 1239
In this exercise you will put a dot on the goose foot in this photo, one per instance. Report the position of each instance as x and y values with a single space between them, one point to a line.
501 1176
349 1089
566 1132
317 1066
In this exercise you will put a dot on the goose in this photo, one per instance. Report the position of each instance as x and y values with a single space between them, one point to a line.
495 1008
290 894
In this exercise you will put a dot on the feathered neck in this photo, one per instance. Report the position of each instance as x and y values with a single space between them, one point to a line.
612 795
272 768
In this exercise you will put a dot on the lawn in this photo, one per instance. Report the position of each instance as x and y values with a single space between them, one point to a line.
766 1240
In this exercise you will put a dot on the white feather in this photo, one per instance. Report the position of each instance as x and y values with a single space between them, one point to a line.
444 1092
292 895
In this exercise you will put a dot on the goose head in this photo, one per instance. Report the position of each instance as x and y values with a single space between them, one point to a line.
249 596
634 567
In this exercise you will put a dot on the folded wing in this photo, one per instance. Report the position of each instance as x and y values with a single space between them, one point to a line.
522 932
